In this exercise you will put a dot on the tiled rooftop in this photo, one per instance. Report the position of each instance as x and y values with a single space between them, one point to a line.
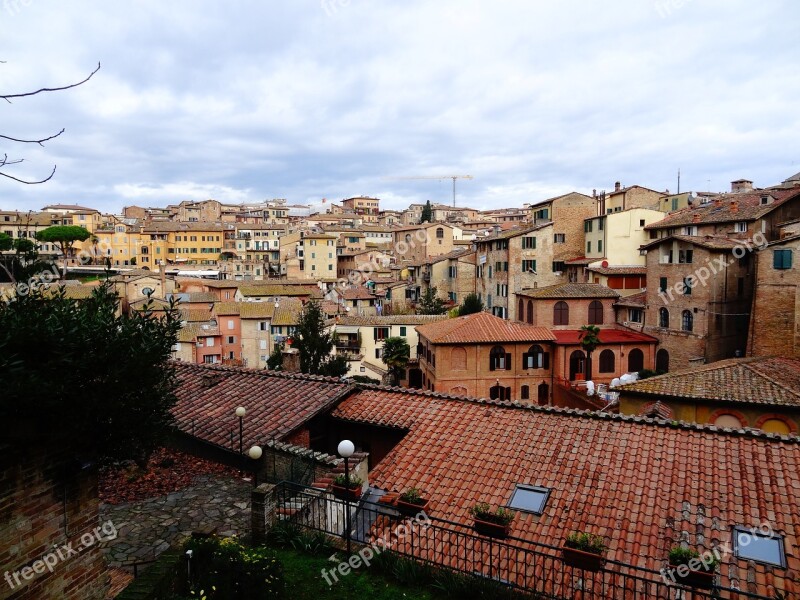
482 327
706 241
570 290
745 380
570 337
311 291
627 270
276 403
386 321
288 312
641 484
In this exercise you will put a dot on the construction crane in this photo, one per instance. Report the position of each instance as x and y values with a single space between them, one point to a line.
439 177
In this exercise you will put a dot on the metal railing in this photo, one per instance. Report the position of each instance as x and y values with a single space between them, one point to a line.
520 564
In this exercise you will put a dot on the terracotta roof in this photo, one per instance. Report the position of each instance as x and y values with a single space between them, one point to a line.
189 332
743 380
257 310
312 291
229 308
570 290
747 208
177 227
195 296
155 304
628 270
641 484
196 315
71 292
386 321
482 327
636 300
357 293
288 312
707 241
571 337
70 207
276 403
582 260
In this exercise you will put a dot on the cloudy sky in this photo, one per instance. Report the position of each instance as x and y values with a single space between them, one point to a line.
310 99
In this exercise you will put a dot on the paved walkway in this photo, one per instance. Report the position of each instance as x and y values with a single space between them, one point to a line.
145 529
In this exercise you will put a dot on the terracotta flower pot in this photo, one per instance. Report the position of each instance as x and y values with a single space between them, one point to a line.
697 579
492 529
344 493
580 559
410 509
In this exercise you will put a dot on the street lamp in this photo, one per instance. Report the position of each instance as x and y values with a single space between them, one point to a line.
346 449
240 412
255 453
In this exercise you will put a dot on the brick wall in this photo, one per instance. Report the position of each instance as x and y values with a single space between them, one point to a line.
32 526
568 214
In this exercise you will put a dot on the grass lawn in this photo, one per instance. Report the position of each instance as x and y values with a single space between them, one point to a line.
304 580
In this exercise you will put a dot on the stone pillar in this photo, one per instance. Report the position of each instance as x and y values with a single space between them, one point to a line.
261 499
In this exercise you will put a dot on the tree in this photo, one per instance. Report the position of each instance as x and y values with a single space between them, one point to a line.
65 237
316 345
590 340
24 263
430 303
396 353
5 161
427 213
472 304
275 360
81 378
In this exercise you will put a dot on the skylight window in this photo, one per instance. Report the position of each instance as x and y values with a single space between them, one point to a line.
759 548
529 498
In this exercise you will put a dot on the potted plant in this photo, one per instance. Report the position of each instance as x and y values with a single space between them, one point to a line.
689 569
585 551
347 490
494 523
411 502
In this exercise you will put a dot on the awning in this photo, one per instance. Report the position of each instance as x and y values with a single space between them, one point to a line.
346 329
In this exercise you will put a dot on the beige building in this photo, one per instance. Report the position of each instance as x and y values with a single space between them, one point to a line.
368 209
417 243
308 255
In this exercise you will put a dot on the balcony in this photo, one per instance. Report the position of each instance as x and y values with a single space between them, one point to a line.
348 345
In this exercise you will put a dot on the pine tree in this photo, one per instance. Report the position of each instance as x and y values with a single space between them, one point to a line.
430 303
427 213
316 345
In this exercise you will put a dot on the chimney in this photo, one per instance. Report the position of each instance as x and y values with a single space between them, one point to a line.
594 193
741 185
735 206
291 360
617 186
696 218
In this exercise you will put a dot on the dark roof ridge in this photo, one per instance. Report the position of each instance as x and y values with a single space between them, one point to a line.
263 372
589 414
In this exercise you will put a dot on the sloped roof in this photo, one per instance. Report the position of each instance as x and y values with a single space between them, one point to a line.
745 206
638 482
480 328
230 308
386 321
712 242
770 381
311 291
626 270
572 337
276 403
288 312
256 310
570 290
635 300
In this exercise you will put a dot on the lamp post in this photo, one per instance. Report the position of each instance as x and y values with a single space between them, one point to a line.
346 449
241 412
255 453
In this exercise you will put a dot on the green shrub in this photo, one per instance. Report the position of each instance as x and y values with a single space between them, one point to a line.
682 556
501 516
355 482
586 542
412 496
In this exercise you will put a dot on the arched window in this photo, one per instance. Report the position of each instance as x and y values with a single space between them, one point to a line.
635 361
727 420
776 426
543 394
687 320
596 313
499 360
663 317
499 392
607 361
536 358
520 309
458 359
408 238
439 233
662 361
530 312
561 313
525 392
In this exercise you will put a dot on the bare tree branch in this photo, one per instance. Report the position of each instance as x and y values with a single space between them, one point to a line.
40 142
8 97
48 178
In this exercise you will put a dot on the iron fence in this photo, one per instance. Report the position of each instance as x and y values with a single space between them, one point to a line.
530 567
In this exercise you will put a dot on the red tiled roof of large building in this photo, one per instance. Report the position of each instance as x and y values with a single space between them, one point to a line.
768 380
620 270
644 485
482 327
570 290
357 293
727 208
571 337
276 403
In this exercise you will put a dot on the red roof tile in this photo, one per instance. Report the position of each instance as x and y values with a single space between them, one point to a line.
641 484
571 337
482 327
276 403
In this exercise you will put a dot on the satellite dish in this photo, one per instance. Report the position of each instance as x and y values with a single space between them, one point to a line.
604 264
147 291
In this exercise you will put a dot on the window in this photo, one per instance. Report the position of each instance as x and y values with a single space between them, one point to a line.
403 331
588 247
685 256
528 265
749 544
529 243
561 313
635 360
231 339
596 313
741 227
635 315
230 324
607 361
690 230
558 266
782 259
529 498
439 233
687 286
536 358
498 392
599 245
263 326
662 284
559 238
601 224
380 333
641 222
525 392
587 226
452 272
687 320
499 360
530 312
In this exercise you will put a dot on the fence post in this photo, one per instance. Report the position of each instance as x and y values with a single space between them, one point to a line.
260 497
